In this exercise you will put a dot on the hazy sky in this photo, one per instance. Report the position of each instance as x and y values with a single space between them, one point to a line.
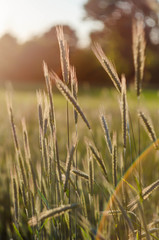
26 18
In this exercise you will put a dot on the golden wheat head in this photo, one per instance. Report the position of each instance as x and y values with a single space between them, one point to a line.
107 65
138 54
69 97
64 54
149 128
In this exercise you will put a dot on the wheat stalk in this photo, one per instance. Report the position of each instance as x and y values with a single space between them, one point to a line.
141 210
83 203
126 217
114 160
40 111
68 167
52 117
16 200
98 159
74 88
45 153
124 110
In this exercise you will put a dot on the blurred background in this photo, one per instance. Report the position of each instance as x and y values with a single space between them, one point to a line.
28 36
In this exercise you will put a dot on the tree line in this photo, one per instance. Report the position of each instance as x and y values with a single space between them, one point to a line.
23 62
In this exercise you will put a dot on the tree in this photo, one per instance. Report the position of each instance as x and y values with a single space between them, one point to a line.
116 37
9 50
103 10
24 62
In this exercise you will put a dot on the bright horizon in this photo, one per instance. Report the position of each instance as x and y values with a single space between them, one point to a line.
25 19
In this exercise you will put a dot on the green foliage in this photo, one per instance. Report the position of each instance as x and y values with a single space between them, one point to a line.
17 232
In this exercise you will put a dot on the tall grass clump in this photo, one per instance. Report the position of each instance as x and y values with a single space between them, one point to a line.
99 192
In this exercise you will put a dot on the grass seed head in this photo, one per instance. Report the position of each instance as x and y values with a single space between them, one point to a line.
69 97
138 54
149 128
107 65
51 213
64 54
106 132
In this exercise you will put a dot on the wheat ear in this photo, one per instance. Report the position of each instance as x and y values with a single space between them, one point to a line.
27 153
91 172
80 174
40 110
138 54
13 127
106 132
145 194
68 95
50 95
64 54
51 213
107 65
149 129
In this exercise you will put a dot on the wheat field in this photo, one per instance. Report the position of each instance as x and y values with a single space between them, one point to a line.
81 164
